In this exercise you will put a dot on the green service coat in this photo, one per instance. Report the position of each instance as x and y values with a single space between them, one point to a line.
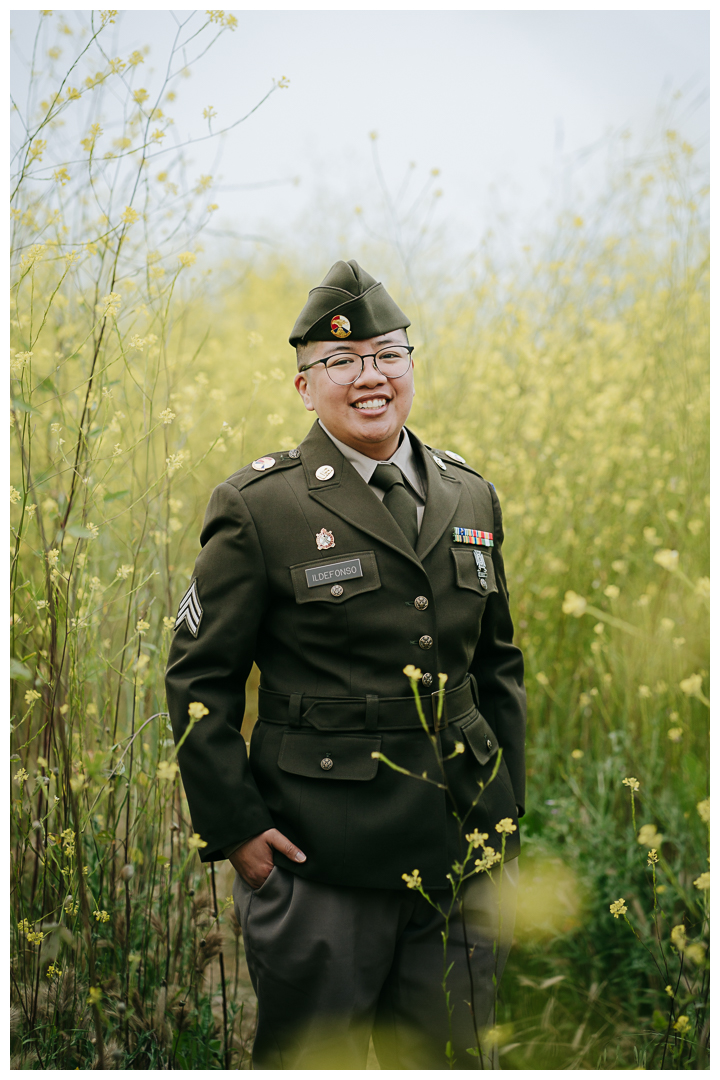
358 822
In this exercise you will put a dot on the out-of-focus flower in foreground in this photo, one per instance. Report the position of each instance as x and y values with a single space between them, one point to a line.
413 881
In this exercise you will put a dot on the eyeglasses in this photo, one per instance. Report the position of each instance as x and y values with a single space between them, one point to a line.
346 368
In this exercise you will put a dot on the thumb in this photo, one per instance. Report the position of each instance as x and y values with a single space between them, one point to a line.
281 843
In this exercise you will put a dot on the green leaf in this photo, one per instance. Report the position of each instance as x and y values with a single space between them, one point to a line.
109 496
21 406
18 670
659 1021
78 531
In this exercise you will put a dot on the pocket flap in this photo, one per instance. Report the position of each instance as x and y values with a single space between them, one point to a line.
348 575
329 756
480 738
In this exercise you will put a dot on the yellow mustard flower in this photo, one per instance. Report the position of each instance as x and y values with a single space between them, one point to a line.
167 770
678 937
413 881
618 908
649 836
573 604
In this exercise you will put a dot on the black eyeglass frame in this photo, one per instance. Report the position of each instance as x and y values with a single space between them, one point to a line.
369 356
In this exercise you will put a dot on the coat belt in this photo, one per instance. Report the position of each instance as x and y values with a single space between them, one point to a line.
369 713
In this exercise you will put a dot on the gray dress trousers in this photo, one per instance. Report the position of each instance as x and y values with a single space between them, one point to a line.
332 965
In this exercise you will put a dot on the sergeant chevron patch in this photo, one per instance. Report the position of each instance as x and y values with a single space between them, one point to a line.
190 611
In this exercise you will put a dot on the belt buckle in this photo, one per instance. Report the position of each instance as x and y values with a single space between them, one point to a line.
439 723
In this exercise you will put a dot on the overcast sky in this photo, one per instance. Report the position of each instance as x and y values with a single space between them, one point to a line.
500 102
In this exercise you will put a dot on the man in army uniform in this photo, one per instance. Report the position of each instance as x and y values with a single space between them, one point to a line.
333 567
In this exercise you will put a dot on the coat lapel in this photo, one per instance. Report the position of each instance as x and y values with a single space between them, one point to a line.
347 495
441 500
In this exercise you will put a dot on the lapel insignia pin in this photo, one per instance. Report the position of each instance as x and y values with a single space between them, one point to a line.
473 536
262 463
294 453
340 326
324 540
439 462
190 611
325 472
456 457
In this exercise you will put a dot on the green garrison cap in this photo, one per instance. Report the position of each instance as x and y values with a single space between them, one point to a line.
347 304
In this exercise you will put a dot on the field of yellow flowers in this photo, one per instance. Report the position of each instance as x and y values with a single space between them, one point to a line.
141 376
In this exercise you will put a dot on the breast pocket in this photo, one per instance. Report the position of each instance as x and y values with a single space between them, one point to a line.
474 570
335 580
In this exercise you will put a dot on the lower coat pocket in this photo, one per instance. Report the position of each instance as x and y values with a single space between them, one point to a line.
480 737
329 756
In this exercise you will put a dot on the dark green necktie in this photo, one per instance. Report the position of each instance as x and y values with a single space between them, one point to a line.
398 499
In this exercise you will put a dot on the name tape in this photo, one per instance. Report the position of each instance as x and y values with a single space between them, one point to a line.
329 572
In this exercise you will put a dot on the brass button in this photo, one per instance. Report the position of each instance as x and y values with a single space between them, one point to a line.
326 763
294 453
489 744
426 679
426 642
337 590
421 602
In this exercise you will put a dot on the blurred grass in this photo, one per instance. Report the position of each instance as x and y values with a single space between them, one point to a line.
576 380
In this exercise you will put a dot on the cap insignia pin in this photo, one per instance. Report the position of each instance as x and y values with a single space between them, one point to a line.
263 463
340 326
325 472
324 540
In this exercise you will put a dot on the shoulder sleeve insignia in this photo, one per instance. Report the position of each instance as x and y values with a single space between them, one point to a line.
190 611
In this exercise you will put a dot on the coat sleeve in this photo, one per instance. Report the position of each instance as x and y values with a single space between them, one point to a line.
212 668
498 668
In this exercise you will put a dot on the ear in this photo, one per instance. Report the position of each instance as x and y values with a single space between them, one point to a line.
303 389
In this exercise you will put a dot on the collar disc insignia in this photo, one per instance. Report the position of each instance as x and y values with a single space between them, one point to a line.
263 463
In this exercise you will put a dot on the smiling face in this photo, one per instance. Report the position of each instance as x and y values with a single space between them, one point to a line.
367 415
